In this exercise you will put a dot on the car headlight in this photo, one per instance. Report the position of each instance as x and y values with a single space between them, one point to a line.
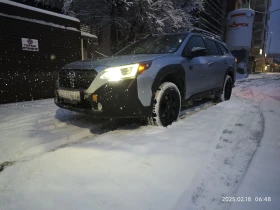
124 72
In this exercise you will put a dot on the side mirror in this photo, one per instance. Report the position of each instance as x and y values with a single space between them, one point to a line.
198 51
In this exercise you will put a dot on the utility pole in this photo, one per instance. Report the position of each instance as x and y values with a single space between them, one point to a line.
271 33
269 43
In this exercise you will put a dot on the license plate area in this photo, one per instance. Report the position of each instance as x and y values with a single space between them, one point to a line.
74 96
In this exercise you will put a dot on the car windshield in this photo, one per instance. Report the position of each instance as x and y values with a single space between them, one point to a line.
154 45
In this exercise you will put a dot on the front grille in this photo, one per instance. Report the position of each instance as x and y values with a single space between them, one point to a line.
84 104
76 79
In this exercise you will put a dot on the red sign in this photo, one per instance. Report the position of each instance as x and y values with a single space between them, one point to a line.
235 25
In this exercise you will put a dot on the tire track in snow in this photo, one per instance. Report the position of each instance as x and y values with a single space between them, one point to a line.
233 152
32 151
89 133
85 131
21 120
238 155
5 164
187 111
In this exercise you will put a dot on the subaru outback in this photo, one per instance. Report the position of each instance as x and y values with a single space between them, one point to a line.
150 78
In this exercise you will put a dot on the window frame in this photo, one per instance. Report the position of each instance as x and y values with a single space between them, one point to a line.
186 45
222 46
208 51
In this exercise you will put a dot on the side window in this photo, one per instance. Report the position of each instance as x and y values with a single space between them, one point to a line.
194 41
212 47
223 49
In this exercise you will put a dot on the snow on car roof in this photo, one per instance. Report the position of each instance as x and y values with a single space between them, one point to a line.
38 10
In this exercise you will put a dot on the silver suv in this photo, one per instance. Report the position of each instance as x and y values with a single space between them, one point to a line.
149 78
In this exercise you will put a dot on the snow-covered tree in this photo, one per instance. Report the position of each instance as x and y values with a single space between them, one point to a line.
122 21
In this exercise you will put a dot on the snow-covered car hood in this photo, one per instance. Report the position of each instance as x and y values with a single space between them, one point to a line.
100 64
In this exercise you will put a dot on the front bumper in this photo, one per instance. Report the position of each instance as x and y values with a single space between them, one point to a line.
118 100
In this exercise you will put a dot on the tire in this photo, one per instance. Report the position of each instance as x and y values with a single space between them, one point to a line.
166 105
227 90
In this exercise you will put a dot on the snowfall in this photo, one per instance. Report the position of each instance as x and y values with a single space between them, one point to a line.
52 158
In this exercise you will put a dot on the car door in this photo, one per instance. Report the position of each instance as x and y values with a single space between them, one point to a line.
225 63
195 68
214 63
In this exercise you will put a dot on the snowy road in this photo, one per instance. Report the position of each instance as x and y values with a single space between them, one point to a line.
55 159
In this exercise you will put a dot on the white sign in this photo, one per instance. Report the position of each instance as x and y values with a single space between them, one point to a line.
240 29
30 44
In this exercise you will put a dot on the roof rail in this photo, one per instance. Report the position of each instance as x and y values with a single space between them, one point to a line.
198 30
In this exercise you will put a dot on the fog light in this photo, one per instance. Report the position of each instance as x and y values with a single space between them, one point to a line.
99 106
94 98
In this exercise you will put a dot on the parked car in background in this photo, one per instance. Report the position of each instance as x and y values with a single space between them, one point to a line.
150 78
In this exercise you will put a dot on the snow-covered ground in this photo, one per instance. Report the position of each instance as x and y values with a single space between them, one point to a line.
56 159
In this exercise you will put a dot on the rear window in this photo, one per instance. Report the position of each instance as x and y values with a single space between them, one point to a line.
223 49
212 47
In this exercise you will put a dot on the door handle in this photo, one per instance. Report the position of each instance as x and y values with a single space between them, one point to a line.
210 63
226 62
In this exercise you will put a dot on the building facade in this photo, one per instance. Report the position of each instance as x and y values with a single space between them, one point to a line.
34 45
36 40
260 34
256 55
260 31
213 18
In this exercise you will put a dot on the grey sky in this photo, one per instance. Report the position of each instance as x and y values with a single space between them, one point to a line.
274 27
